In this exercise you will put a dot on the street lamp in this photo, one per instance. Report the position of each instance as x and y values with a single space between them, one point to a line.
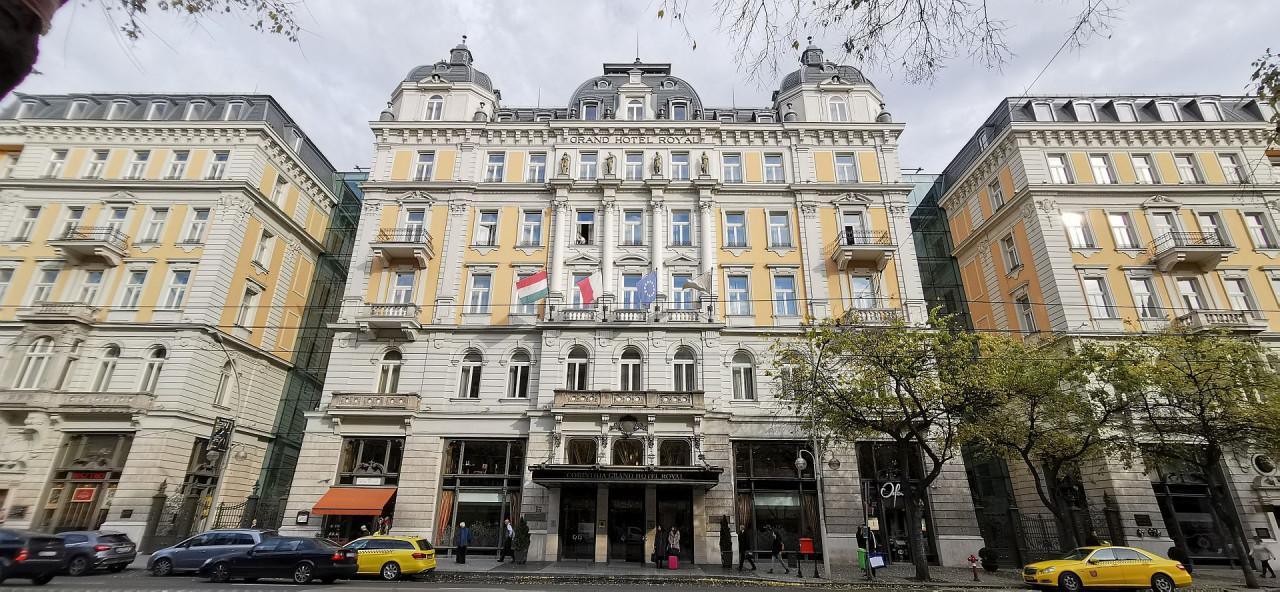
801 465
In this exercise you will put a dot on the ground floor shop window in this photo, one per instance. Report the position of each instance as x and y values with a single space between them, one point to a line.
883 478
771 495
1183 495
371 461
480 487
84 482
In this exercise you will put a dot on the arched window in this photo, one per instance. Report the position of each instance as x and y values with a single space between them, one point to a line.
635 110
435 108
389 372
34 363
469 381
628 452
744 381
581 451
576 371
106 369
226 382
518 375
837 109
674 453
151 369
630 370
685 370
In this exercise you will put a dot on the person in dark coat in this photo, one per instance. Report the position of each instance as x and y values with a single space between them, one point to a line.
508 534
1092 540
746 547
778 547
464 540
659 548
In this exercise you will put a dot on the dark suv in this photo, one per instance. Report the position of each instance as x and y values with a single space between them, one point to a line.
37 557
88 550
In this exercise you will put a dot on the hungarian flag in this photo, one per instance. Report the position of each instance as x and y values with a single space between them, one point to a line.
588 287
532 288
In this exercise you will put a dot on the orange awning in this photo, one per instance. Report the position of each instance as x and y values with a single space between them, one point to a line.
354 501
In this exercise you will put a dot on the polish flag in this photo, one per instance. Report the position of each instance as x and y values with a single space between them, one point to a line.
588 286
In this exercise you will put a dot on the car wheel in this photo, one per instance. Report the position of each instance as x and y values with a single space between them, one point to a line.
1070 582
303 573
390 571
221 573
42 579
162 568
78 566
1162 583
117 568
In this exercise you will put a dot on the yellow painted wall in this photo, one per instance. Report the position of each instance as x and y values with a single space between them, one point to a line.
115 163
869 167
291 201
1168 171
753 167
1080 168
75 160
824 166
268 181
444 165
156 163
244 269
196 164
400 165
1006 182
1211 167
1124 168
515 166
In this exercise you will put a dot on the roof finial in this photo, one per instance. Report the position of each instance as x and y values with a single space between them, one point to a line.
810 39
637 46
464 38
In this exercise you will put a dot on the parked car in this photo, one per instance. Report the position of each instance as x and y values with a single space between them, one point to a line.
1107 567
190 554
37 557
88 550
300 559
393 556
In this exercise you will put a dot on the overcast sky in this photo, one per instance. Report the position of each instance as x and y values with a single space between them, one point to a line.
352 53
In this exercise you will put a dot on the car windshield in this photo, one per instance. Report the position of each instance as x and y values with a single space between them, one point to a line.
1076 555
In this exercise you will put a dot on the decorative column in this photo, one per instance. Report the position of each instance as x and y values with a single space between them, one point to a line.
657 212
559 239
609 238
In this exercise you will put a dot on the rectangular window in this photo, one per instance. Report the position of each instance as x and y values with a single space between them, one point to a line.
77 109
735 229
522 308
846 170
1098 298
1010 249
1043 111
1125 112
195 111
1168 111
1260 230
6 279
1143 170
635 166
586 227
1058 169
779 229
1162 223
75 216
415 221
1210 111
587 166
495 168
632 228
590 111
176 294
116 218
425 166
1025 314
8 160
731 168
1211 225
1238 294
739 295
680 166
402 287
1187 171
1122 230
133 289
630 290
1189 292
27 223
117 110
43 286
248 305
196 228
138 165
679 111
90 287
487 228
177 164
575 291
1078 233
536 172
681 297
864 292
262 253
784 296
234 111
154 229
1084 111
773 171
1145 298
1101 166
97 164
218 165
1231 168
279 190
681 228
478 294
56 162
531 228
995 193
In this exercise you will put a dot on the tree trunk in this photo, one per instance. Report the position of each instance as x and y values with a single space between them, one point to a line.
1227 518
914 540
1048 492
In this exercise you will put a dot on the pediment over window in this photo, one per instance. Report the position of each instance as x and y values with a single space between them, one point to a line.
680 260
416 197
1160 201
631 260
582 259
852 199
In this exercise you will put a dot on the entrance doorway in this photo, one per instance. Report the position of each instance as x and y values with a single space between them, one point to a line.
626 524
578 523
675 510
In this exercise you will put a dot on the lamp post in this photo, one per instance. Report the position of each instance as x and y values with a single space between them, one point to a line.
214 455
801 465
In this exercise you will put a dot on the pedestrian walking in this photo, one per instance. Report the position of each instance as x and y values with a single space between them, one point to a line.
746 547
1264 556
777 547
464 541
866 546
673 541
508 533
659 547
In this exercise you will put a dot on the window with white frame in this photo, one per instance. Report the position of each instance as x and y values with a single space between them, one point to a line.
487 228
178 164
731 168
1145 297
629 371
151 368
679 111
90 286
1163 223
1211 225
590 111
680 166
1231 169
195 111
116 218
1098 297
864 291
1167 110
1058 172
577 376
682 298
779 229
8 160
262 253
632 227
684 370
634 166
234 111
56 162
389 368
681 227
742 370
133 290
42 288
248 308
518 375
1009 247
1239 296
68 368
6 280
106 369
523 308
77 109
217 165
1078 233
735 229
279 190
1125 112
635 110
478 292
415 224
1084 111
586 227
176 293
117 110
995 193
837 110
1101 165
27 223
495 167
1026 315
1122 230
226 382
846 170
531 228
784 296
74 218
773 171
138 164
1210 111
631 290
1143 170
154 229
469 376
1260 230
1190 293
739 294
536 171
1042 111
424 166
1187 171
97 164
196 226
588 166
34 363
402 283
575 290
435 108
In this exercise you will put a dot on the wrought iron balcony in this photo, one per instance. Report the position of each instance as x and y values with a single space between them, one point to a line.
1205 249
1241 321
874 247
75 312
411 242
596 399
393 317
79 243
373 403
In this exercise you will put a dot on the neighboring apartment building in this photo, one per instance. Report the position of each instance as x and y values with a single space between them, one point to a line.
156 254
595 413
1097 216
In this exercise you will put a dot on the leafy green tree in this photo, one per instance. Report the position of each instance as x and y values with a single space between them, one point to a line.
910 386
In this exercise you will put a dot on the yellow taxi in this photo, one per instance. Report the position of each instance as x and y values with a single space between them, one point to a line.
1107 567
390 557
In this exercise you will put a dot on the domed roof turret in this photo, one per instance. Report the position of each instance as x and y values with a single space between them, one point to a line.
457 69
666 88
814 69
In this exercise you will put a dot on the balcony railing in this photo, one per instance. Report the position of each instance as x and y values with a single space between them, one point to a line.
376 317
851 238
1205 249
408 234
410 242
84 242
108 235
601 399
1231 320
95 401
374 403
864 246
78 312
872 316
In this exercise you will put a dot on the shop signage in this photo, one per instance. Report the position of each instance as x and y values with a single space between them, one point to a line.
565 474
83 494
88 476
630 138
220 436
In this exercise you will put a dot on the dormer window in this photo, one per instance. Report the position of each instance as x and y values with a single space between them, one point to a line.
26 109
117 110
157 111
435 108
78 109
195 111
1042 111
1168 110
764 117
680 111
728 118
542 117
1125 112
1210 111
635 110
1084 111
295 140
234 111
837 109
590 111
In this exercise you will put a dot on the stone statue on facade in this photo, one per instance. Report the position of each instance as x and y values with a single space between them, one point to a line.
657 164
608 165
705 164
564 164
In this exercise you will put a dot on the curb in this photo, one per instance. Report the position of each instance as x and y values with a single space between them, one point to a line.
704 580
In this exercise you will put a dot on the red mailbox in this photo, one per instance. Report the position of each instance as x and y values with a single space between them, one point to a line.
806 546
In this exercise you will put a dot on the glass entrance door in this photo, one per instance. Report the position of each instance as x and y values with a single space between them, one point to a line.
578 523
626 524
675 510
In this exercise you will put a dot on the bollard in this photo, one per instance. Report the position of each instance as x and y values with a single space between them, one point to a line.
973 562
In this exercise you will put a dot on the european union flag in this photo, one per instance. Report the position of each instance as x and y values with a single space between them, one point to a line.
647 289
